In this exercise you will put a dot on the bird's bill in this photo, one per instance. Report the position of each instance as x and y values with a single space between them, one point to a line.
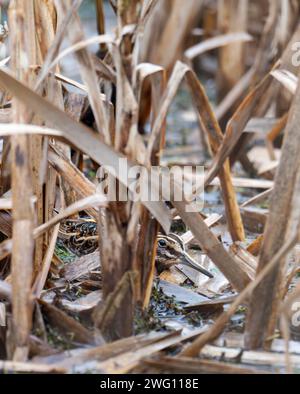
189 262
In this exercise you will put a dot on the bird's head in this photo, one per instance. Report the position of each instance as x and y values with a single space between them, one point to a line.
171 251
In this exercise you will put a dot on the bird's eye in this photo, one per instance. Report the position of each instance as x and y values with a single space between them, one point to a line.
162 243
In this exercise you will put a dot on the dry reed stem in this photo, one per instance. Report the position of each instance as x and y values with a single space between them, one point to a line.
23 244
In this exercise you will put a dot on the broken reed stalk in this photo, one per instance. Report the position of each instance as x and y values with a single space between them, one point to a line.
232 18
257 71
23 216
265 300
47 18
117 245
274 133
116 253
212 128
176 21
35 149
253 105
149 227
71 175
87 70
216 330
100 19
236 127
41 14
261 66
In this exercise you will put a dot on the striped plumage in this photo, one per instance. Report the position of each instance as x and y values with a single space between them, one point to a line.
171 251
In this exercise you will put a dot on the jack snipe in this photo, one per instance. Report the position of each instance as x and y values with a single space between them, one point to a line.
81 238
171 251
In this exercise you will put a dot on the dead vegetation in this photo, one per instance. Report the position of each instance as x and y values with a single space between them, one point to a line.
79 286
